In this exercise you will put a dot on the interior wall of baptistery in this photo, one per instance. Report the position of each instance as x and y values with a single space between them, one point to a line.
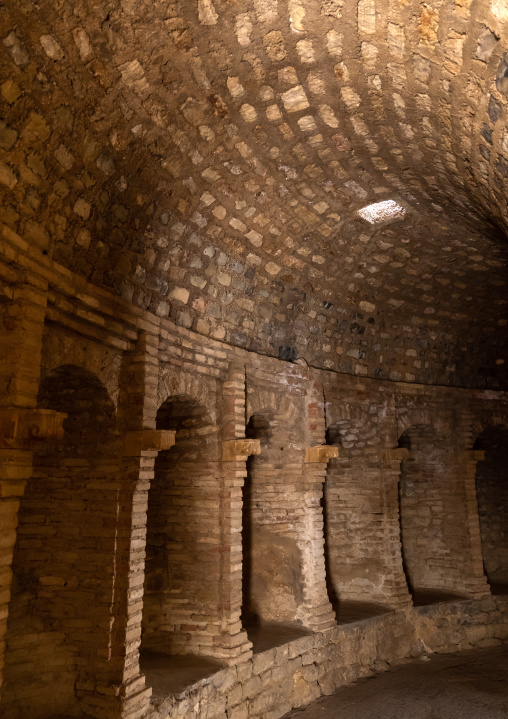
190 529
253 349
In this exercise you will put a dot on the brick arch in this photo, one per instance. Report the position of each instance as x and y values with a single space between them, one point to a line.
477 428
481 425
100 360
272 575
348 434
338 411
186 415
352 504
90 426
425 417
418 436
433 510
284 410
182 518
203 391
489 428
413 417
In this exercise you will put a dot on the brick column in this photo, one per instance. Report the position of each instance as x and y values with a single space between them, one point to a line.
315 612
141 445
123 692
236 449
21 340
15 470
395 586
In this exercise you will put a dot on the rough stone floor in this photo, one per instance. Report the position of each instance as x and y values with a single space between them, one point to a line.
467 685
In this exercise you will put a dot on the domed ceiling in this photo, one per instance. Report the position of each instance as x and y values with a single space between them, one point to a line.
208 160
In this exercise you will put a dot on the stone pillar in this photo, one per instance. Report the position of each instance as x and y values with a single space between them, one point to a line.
141 445
315 612
140 450
15 470
475 581
236 449
396 587
21 327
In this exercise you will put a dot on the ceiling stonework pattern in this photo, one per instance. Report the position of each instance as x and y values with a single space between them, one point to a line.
207 160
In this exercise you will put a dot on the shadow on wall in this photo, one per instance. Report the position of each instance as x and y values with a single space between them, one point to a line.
64 557
181 599
353 521
492 495
432 516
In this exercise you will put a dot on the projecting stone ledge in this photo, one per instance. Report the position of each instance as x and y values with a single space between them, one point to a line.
19 427
397 454
320 453
148 440
237 450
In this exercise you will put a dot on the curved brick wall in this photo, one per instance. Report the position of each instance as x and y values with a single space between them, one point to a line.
150 464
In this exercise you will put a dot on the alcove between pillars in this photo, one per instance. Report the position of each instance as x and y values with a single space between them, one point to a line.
492 494
182 573
354 523
433 518
59 630
272 569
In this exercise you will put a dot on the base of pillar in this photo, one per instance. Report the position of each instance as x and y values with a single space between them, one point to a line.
224 647
233 649
130 701
478 590
318 619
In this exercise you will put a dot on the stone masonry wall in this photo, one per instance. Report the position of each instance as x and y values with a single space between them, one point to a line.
90 490
294 674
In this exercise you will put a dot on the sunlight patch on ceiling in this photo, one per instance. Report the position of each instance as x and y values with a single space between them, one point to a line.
382 211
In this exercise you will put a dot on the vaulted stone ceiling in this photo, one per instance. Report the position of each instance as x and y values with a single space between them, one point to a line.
207 160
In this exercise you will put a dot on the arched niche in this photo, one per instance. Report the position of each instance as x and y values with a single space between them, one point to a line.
272 571
492 495
59 631
433 515
181 612
353 521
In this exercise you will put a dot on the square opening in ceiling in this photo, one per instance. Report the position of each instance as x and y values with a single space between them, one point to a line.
382 211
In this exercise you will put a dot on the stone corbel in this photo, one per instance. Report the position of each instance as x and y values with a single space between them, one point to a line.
237 450
20 428
147 440
394 455
320 453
